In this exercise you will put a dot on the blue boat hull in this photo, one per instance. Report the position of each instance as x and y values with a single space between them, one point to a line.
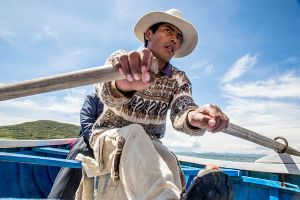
26 181
251 185
32 176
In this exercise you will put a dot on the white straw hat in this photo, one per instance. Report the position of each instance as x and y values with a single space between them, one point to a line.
174 17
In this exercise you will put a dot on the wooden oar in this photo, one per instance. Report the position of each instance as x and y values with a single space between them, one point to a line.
251 136
107 73
63 81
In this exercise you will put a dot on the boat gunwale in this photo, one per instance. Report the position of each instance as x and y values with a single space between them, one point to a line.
11 143
292 169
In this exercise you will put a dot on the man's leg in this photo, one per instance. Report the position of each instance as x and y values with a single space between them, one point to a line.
171 161
143 172
68 179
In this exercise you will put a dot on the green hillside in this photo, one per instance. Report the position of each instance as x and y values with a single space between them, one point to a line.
42 129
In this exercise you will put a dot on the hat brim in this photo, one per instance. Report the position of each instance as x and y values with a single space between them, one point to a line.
189 32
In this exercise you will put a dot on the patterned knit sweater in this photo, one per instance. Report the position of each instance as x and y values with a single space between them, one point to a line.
148 107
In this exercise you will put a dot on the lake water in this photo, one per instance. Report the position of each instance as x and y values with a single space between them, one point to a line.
224 156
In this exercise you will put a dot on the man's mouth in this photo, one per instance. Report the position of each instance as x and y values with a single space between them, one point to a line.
170 48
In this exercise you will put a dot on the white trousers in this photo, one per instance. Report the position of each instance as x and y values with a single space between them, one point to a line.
145 170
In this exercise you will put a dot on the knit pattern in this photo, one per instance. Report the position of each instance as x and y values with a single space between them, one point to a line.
149 107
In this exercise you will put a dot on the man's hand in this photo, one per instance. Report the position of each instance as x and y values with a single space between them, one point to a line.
209 117
136 67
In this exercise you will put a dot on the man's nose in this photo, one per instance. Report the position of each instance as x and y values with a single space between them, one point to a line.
174 39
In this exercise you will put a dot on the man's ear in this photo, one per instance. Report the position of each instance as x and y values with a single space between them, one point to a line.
148 34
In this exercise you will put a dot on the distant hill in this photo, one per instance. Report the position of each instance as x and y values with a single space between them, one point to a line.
42 129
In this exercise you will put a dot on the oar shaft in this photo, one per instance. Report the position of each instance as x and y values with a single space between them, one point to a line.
98 74
251 136
58 82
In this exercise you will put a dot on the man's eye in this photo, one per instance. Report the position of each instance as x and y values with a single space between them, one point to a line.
167 30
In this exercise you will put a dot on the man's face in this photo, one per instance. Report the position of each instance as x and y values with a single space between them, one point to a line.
164 42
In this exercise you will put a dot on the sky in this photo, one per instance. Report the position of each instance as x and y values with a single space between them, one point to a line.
247 61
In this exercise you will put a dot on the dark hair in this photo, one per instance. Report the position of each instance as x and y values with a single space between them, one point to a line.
153 28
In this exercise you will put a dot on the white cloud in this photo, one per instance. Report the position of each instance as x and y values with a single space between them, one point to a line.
8 36
292 60
209 69
121 9
260 113
200 65
21 116
11 119
64 109
206 67
270 118
241 66
74 99
285 86
65 104
218 142
46 32
194 77
68 59
20 104
269 107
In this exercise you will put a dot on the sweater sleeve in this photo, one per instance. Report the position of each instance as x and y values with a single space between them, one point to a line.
108 91
183 103
91 109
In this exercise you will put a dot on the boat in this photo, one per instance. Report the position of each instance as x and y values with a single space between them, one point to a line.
28 169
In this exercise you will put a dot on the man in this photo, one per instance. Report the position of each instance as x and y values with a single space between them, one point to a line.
132 162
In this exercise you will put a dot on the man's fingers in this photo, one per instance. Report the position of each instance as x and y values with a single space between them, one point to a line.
146 77
146 57
200 120
218 121
152 78
134 63
211 123
117 65
125 67
222 124
135 66
212 110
